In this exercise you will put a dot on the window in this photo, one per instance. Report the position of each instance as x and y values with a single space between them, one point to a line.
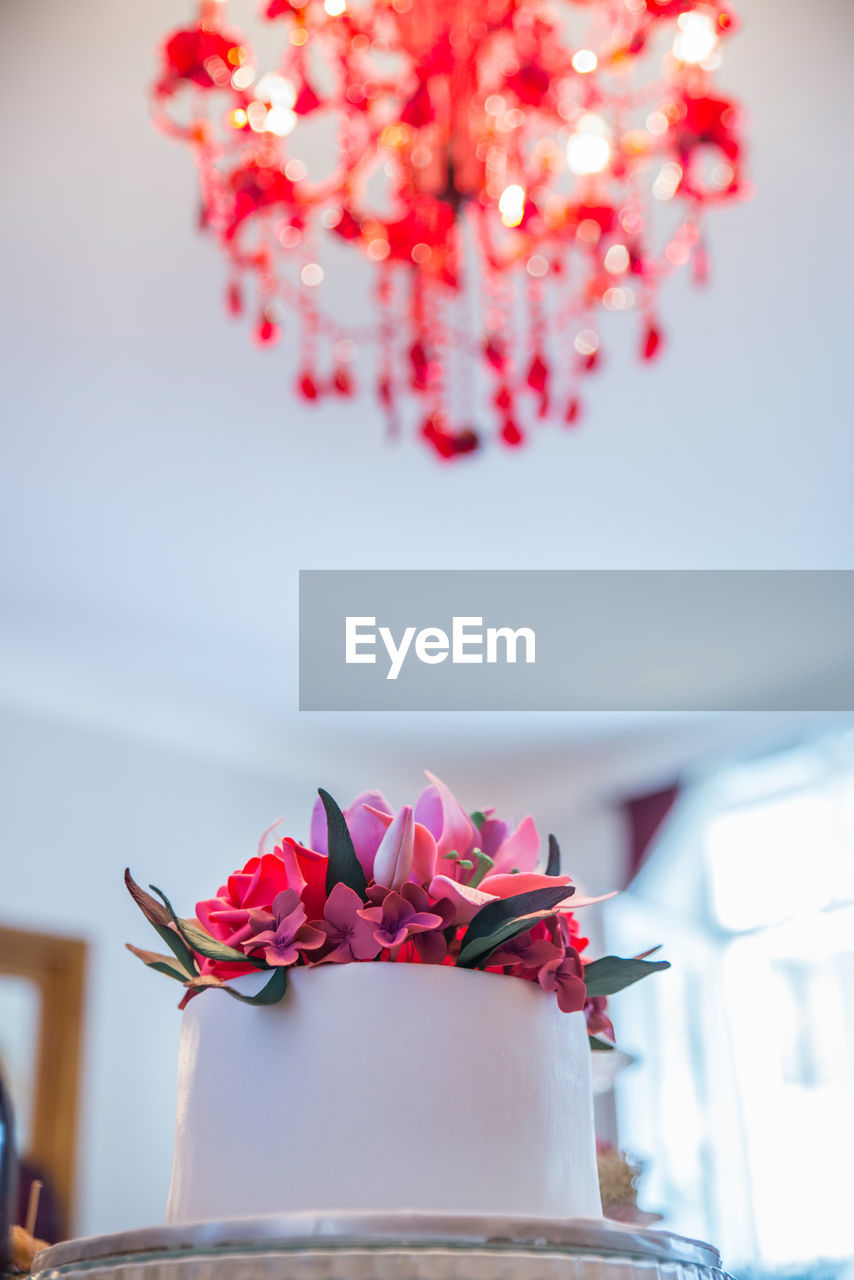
742 1102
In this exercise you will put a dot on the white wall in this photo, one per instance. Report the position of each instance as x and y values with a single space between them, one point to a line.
78 805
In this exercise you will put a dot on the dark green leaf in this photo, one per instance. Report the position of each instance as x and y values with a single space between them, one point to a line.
270 993
600 1045
163 964
553 864
158 916
343 866
497 921
611 974
201 941
478 956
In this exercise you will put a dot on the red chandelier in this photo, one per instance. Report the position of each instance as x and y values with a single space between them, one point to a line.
510 170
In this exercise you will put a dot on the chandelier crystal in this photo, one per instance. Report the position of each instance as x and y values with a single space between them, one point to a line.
506 171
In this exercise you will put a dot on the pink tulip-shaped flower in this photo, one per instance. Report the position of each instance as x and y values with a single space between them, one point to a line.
282 934
393 861
441 813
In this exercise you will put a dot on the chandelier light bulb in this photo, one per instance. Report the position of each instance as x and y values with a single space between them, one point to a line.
617 259
280 120
511 205
584 61
589 148
696 38
276 90
243 76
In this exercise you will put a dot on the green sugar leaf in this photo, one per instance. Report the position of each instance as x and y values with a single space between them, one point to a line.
163 964
497 921
160 918
343 866
270 993
200 941
611 974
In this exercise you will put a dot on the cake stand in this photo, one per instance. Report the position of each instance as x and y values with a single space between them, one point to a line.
387 1246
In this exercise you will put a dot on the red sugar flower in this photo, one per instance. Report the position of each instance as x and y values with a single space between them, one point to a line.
226 917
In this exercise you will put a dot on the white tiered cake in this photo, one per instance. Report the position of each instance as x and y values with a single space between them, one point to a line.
385 1087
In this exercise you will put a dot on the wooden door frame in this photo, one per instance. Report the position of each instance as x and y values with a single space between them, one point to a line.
57 965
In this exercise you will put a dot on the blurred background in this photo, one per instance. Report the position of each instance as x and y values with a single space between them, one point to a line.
161 489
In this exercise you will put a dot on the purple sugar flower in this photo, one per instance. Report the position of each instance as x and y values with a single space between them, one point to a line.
281 934
431 945
396 918
566 977
349 936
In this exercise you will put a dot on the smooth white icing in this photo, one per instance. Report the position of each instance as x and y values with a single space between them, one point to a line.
385 1087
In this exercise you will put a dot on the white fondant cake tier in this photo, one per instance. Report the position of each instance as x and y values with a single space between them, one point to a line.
385 1087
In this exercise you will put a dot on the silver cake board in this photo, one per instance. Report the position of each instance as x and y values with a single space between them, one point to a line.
384 1246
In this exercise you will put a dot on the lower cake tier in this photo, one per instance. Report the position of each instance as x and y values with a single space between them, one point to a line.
390 1247
384 1087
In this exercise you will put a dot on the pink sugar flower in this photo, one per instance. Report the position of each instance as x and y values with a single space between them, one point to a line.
518 850
565 976
283 933
347 934
468 900
396 919
441 813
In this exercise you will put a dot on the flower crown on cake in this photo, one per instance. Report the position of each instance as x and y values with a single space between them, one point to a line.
430 884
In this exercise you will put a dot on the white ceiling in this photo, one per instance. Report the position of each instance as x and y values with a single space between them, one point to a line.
160 489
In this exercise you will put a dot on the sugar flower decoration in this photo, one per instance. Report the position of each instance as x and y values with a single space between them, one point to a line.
281 934
565 975
396 919
349 936
427 883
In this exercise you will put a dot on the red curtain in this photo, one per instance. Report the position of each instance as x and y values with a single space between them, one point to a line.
645 816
